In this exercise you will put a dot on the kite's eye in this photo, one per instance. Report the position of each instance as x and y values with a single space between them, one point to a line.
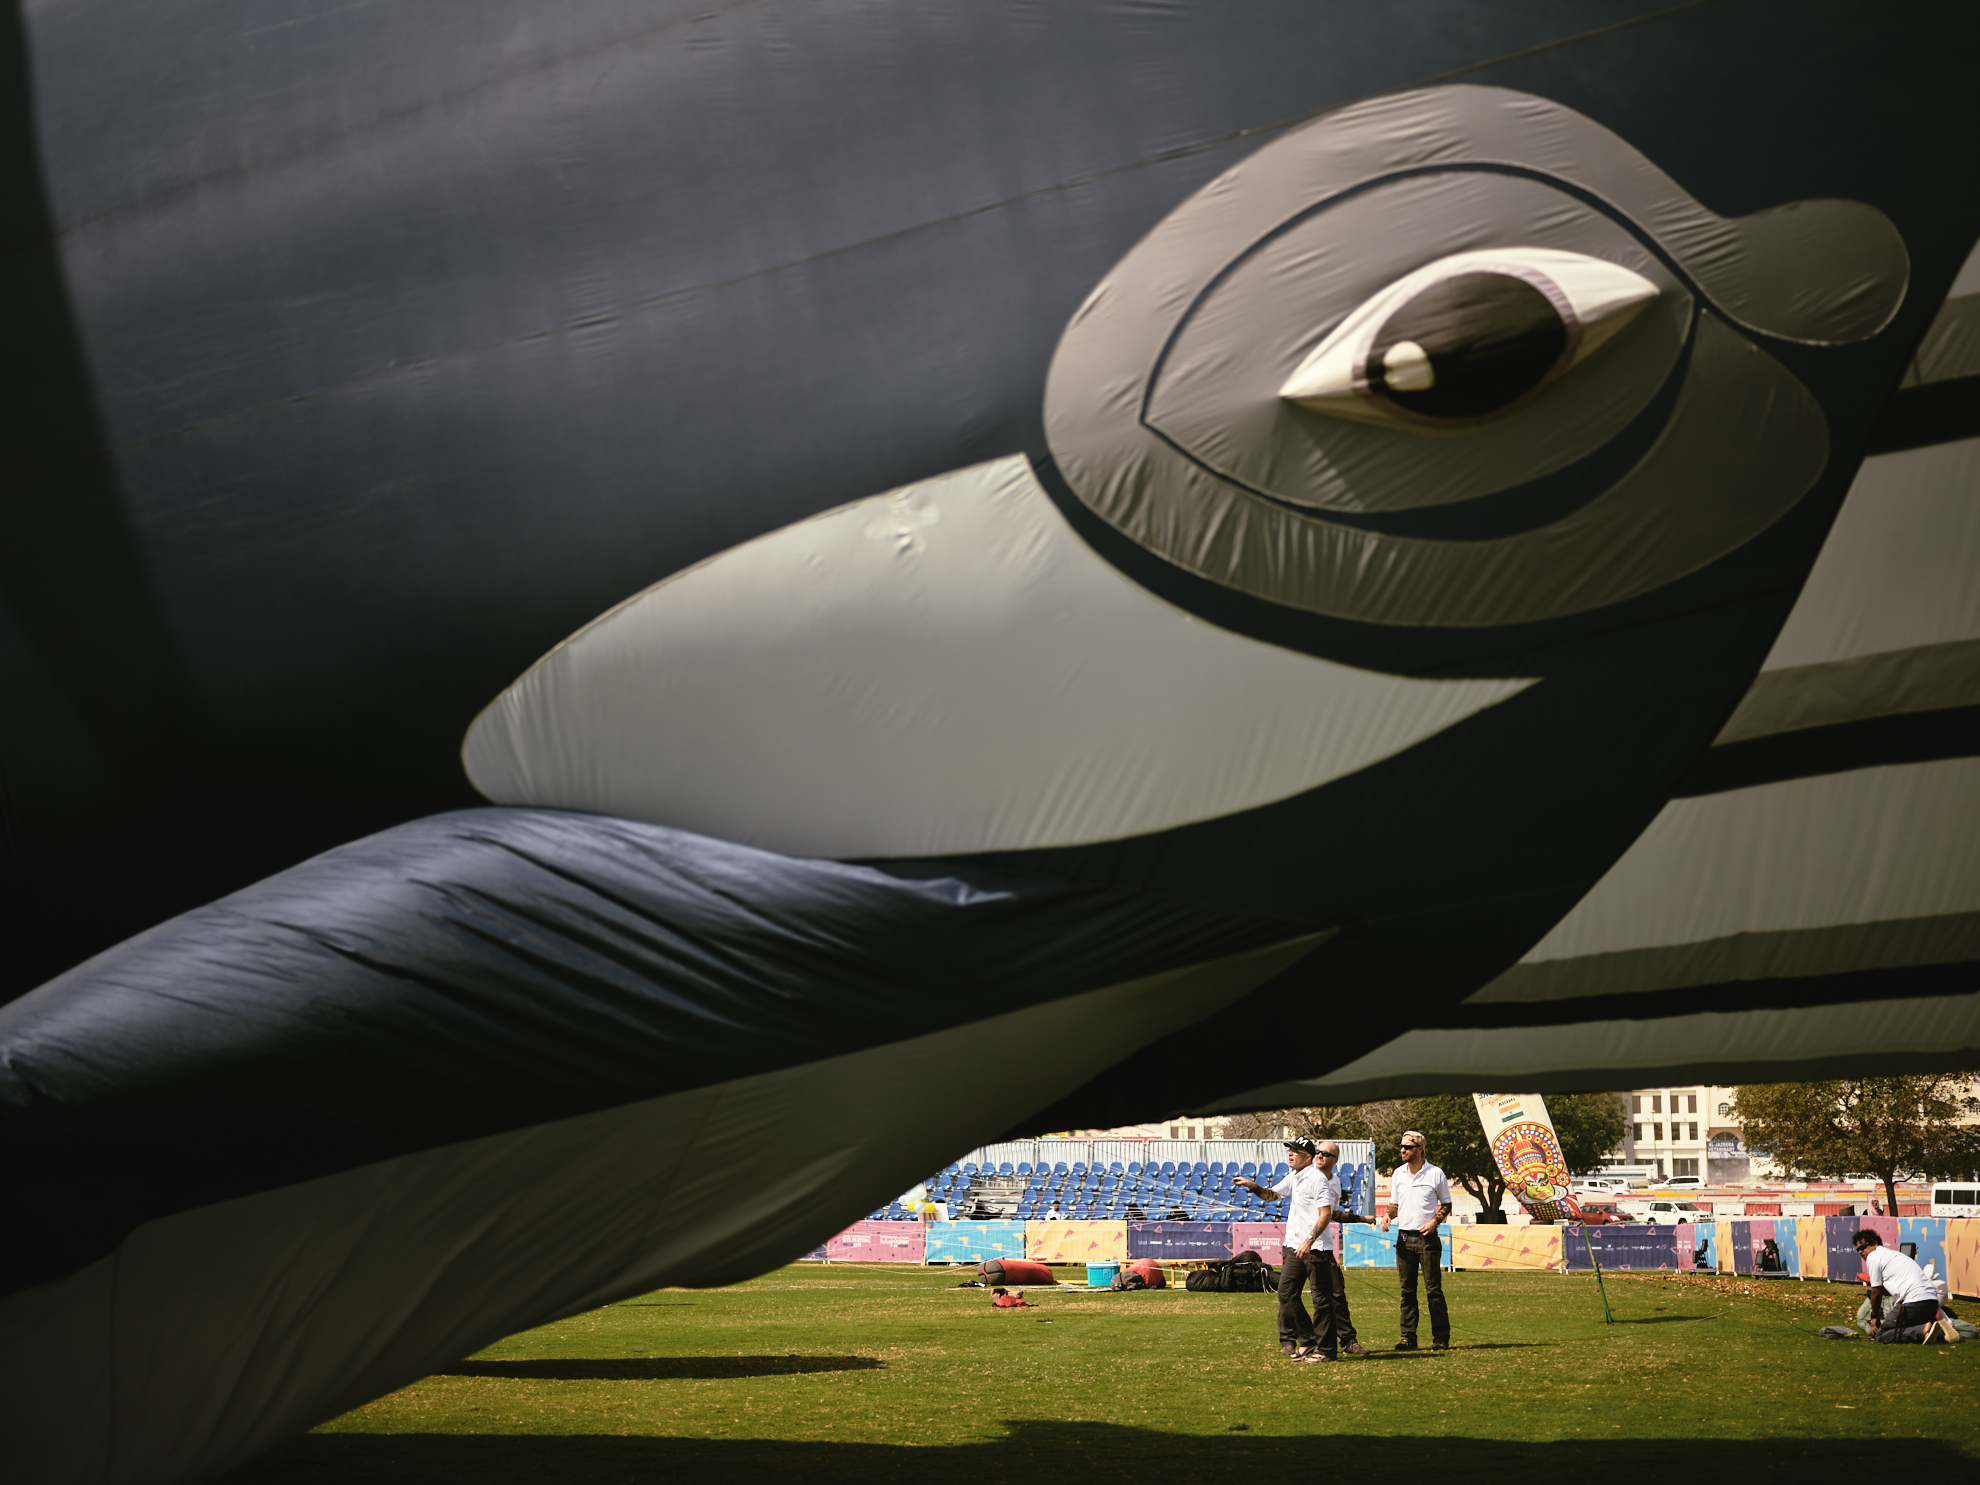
1468 338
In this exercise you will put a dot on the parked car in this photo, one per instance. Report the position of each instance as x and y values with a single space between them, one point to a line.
1595 1214
1600 1183
1670 1213
1673 1182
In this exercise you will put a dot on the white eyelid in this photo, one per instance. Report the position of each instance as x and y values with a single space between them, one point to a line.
1597 300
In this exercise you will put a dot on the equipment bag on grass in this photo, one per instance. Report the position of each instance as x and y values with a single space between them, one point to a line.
1244 1274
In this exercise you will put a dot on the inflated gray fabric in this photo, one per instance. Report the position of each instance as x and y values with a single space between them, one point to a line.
1166 369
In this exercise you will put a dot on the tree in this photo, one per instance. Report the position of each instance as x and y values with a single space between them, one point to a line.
1918 1127
1354 1121
1589 1126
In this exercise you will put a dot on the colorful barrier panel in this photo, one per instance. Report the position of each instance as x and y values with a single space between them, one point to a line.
1787 1234
1630 1246
1076 1242
1179 1239
1810 1247
1365 1247
972 1242
1266 1238
1962 1242
1493 1246
878 1242
1761 1233
1930 1239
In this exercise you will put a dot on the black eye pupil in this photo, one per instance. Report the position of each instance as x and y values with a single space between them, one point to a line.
1489 339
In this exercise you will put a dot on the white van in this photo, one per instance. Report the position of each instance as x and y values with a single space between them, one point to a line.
1956 1198
1669 1213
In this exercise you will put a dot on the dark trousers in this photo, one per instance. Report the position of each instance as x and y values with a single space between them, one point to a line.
1424 1252
1295 1325
1343 1321
1900 1319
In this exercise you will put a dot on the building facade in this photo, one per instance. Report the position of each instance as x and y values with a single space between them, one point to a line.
1685 1131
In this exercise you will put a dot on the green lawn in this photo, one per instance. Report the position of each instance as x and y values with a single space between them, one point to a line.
882 1372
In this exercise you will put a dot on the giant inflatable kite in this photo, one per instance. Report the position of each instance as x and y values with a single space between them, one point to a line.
605 601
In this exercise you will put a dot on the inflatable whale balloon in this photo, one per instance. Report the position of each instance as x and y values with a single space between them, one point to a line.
609 602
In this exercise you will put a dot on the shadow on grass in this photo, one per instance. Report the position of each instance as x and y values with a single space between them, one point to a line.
1094 1450
658 1368
1661 1319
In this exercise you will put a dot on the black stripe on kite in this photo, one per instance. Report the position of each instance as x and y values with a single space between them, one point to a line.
1908 982
1917 417
1910 737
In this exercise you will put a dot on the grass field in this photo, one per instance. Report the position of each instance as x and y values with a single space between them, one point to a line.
881 1372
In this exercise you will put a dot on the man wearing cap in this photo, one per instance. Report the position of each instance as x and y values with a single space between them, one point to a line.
1897 1281
1313 1199
1419 1199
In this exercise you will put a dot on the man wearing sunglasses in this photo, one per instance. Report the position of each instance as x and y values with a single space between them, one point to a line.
1419 1199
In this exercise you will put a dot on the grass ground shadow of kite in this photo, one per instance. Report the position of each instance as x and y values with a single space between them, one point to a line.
660 1368
1097 1451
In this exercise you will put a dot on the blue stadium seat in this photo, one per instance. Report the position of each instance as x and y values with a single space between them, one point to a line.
969 1167
1202 1169
1216 1168
1168 1169
1249 1170
1280 1171
1134 1167
1079 1167
879 1216
1059 1169
1114 1169
1024 1167
1005 1169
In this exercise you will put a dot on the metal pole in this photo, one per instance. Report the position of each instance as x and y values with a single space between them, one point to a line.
1608 1315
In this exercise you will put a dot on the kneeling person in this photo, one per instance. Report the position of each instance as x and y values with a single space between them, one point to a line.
1913 1305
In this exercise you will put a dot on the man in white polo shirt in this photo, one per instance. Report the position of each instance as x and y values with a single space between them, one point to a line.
1308 1250
1419 1199
1903 1305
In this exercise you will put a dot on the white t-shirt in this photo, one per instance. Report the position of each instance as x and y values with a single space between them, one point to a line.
1310 1192
1416 1196
1903 1280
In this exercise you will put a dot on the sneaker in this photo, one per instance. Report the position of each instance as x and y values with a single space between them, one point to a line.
1440 1345
1953 1337
1405 1345
1287 1348
1355 1348
1314 1356
1304 1351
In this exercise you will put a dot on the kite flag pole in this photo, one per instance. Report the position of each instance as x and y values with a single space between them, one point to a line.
1528 1154
1608 1315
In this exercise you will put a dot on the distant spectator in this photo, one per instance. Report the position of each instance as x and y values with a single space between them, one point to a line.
1055 1215
1897 1279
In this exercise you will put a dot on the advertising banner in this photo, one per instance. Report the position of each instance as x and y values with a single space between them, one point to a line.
1076 1242
1179 1240
1527 1153
1494 1246
972 1242
878 1242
